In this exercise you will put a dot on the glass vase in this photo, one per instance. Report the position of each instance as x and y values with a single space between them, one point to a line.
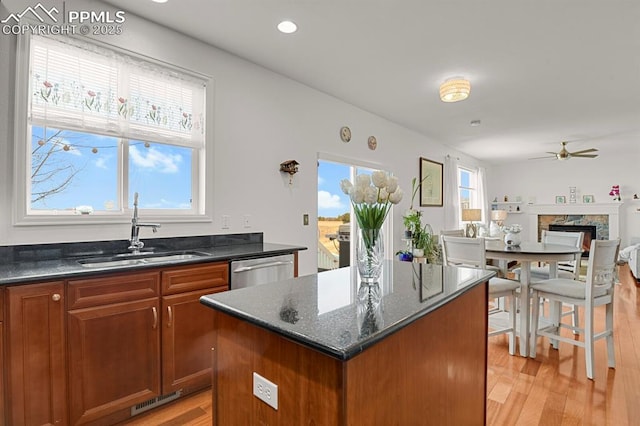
369 304
369 254
512 239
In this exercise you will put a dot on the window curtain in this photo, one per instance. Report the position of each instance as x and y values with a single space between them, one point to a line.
88 87
451 196
483 201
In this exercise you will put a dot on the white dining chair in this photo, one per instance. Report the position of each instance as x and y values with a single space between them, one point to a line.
453 232
598 290
569 270
470 252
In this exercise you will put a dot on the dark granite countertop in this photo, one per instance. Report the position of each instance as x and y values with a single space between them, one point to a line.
336 314
23 264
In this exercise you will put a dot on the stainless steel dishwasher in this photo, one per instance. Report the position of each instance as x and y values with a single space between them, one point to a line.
251 272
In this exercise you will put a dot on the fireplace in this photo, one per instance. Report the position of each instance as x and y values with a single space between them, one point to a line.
589 232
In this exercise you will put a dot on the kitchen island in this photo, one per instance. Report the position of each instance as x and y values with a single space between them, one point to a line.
411 349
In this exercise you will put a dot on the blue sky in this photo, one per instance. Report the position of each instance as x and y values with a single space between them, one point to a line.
161 174
332 201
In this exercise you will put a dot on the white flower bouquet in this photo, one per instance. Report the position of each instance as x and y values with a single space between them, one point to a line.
511 229
372 197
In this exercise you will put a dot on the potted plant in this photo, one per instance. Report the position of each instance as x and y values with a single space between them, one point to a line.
412 222
423 241
421 236
405 255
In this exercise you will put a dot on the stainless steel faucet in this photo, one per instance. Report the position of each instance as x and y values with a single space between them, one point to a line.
134 242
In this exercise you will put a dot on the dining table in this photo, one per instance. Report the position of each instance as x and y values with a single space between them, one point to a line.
525 254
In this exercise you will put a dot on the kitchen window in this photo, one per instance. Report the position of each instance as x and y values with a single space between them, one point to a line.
100 125
468 189
472 191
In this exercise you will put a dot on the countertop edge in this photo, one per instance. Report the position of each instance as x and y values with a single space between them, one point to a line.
70 268
342 355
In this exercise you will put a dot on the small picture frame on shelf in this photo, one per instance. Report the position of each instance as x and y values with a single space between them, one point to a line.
587 199
561 199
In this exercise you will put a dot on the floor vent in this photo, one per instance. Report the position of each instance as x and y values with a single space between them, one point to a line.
155 402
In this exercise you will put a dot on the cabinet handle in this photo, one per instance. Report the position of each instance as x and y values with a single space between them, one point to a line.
155 317
170 312
56 297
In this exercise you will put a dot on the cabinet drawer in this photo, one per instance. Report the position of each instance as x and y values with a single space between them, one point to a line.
109 289
195 277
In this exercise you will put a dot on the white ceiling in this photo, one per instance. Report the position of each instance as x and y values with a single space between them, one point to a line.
541 71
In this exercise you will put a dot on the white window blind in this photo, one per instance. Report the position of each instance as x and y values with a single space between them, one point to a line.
86 87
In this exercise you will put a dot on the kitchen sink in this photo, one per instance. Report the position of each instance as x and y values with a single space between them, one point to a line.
139 259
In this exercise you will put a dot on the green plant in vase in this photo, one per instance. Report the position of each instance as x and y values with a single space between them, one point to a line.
421 236
405 255
423 240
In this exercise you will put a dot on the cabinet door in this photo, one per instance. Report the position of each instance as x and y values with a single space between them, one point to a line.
195 277
36 385
114 358
187 339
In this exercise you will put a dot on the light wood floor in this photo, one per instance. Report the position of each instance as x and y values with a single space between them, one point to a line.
551 390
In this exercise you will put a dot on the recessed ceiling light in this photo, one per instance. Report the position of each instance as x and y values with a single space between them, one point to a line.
287 27
475 123
159 1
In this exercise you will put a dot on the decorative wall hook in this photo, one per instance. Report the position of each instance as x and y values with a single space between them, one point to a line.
291 167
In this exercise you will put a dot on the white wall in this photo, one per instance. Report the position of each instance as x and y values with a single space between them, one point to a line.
260 119
545 179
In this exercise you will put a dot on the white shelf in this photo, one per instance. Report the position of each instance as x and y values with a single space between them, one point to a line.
509 206
507 202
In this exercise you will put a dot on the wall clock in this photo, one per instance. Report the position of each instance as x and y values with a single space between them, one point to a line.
372 142
345 134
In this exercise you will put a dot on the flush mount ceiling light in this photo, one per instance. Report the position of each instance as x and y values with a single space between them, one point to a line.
159 1
454 90
287 27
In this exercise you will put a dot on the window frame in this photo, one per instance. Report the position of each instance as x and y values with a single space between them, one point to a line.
474 202
201 206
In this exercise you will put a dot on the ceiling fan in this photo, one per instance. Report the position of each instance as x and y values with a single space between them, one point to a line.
564 154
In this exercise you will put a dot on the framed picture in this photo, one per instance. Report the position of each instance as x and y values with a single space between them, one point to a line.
561 199
431 183
587 199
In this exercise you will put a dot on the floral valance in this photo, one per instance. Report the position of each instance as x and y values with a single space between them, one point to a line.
89 87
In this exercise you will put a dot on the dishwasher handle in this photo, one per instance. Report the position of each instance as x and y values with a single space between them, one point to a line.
262 265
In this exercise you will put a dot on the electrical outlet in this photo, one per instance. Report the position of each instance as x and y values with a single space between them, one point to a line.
265 390
247 221
225 221
305 219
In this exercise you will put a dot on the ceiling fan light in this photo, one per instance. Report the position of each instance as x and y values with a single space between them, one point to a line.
454 90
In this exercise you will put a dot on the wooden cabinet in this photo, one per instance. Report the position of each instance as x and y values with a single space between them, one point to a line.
187 325
137 336
86 350
114 344
36 382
